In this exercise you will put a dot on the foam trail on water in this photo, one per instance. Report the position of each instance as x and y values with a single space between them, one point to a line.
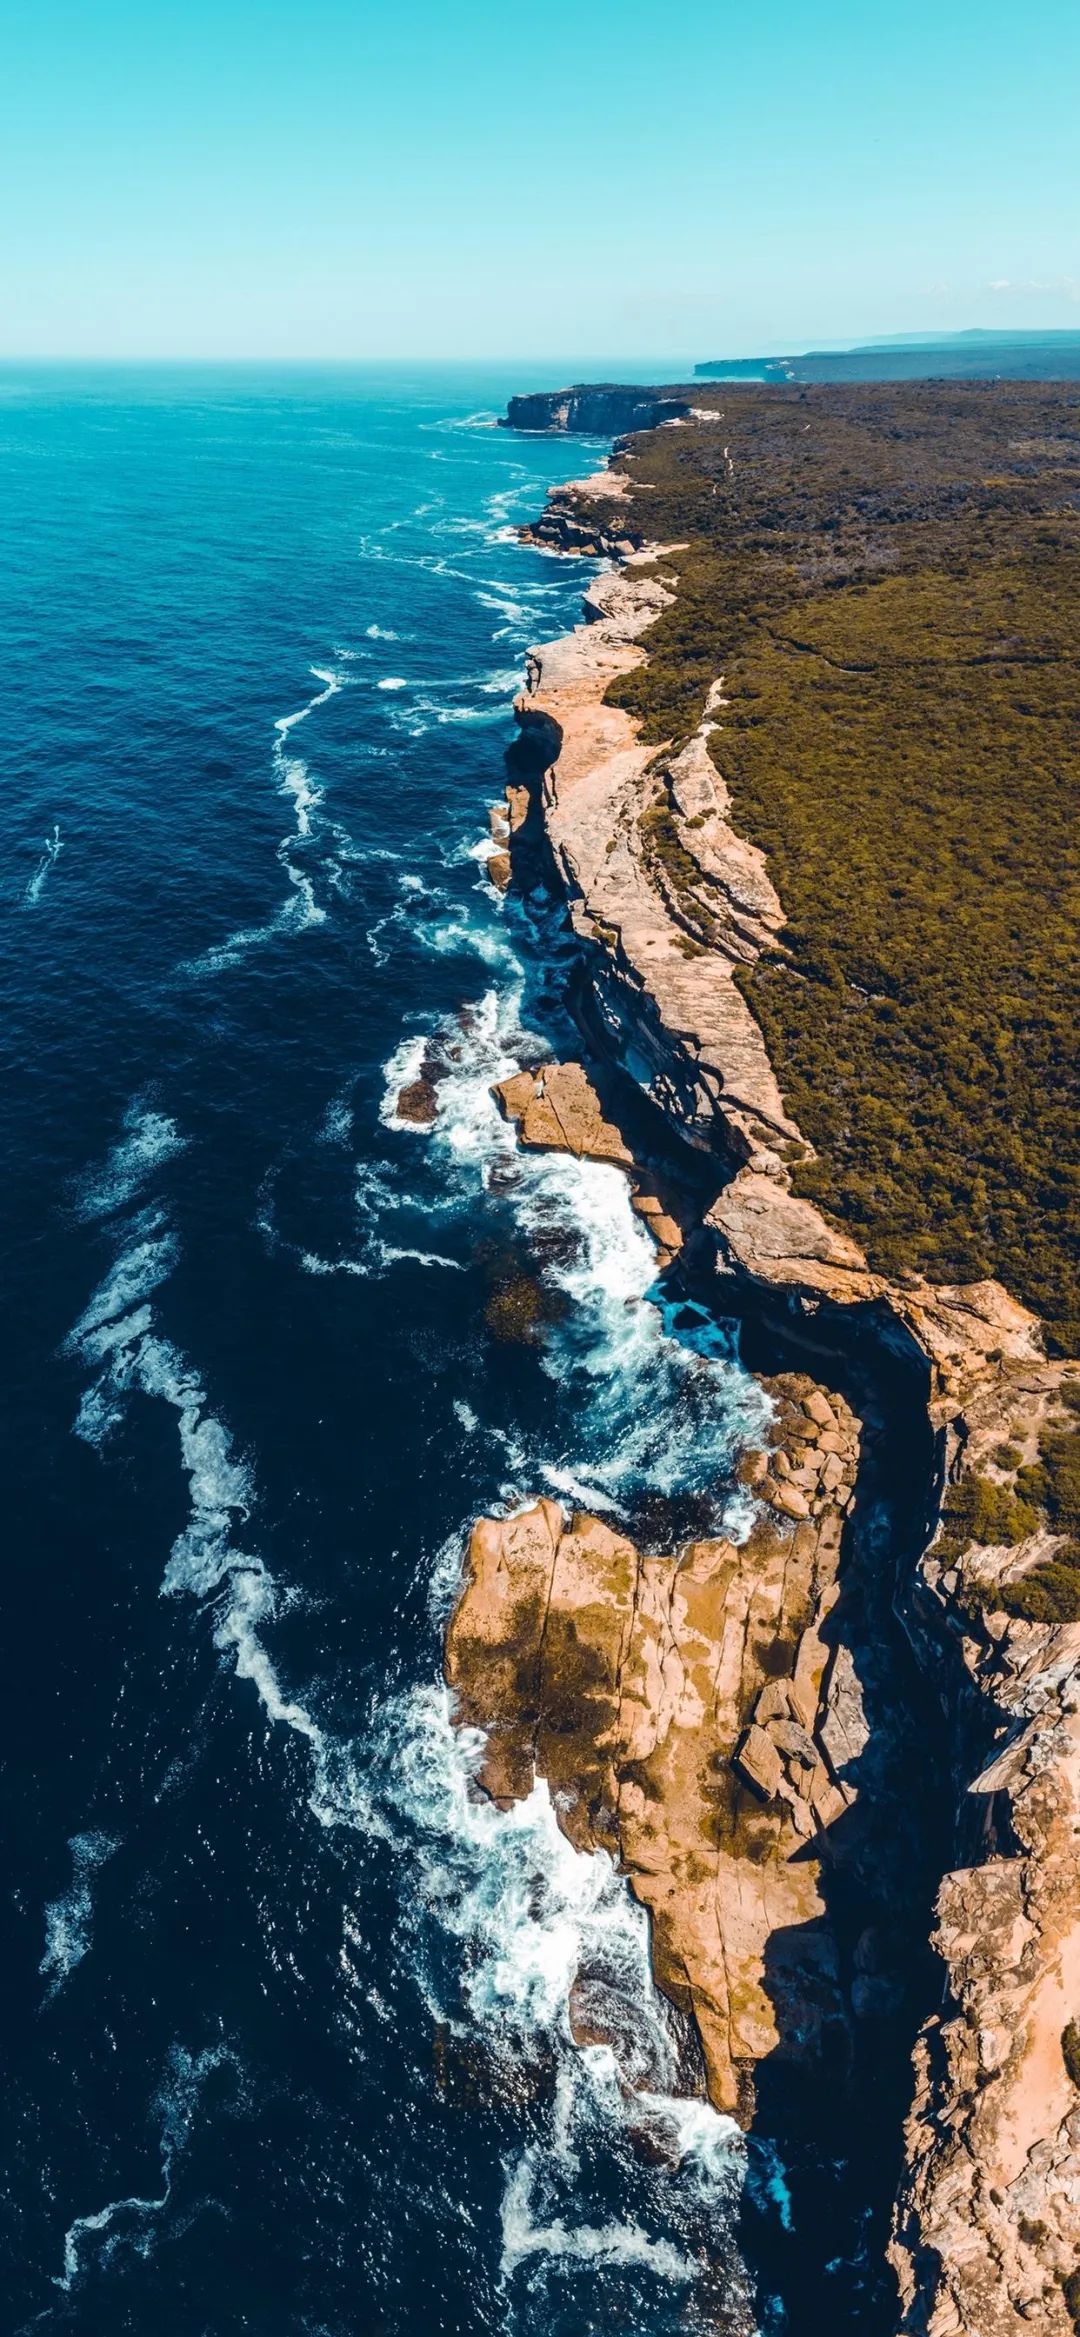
48 860
331 682
116 1336
301 910
116 1315
176 2106
610 2243
150 1139
68 1919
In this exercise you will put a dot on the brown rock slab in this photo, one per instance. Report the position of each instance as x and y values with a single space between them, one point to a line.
418 1102
559 1111
759 1762
626 1682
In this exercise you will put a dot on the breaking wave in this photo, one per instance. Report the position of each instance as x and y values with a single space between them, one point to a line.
655 1409
531 1917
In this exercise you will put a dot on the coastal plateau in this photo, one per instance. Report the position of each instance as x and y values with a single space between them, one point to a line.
806 780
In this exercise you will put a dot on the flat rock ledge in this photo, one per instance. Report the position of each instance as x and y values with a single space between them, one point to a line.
556 1109
691 1717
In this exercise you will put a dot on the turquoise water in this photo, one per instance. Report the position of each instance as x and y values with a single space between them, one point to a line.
287 2043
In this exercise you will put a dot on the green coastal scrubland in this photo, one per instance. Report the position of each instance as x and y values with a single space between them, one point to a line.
888 577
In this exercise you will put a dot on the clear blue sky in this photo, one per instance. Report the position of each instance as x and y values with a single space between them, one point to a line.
226 178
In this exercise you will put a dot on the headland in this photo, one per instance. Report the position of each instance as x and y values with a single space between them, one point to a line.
806 779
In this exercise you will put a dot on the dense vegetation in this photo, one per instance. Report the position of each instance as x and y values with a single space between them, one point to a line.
998 1514
889 579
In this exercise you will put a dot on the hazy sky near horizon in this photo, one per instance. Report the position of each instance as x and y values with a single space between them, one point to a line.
263 180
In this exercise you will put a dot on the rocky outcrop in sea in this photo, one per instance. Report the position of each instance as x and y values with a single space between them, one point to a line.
598 409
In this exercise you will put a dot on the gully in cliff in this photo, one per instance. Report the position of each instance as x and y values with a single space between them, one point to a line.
780 1771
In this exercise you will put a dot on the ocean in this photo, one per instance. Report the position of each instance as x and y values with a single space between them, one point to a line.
287 2047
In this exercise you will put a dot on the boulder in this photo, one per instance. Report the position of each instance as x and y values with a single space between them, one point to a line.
758 1761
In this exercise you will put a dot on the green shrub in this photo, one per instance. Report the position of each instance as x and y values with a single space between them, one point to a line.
1054 1479
978 1509
663 844
1048 1593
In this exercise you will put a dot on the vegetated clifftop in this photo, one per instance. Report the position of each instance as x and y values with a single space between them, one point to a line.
976 355
888 581
934 590
597 409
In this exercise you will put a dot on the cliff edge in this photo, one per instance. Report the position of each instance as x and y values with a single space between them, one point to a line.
595 409
687 1745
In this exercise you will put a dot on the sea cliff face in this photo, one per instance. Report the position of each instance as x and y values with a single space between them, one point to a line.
597 409
703 1715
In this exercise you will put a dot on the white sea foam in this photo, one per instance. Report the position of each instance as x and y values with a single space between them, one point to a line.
124 2221
484 419
425 712
382 633
301 910
116 1315
50 856
609 2243
116 1335
513 610
331 682
530 1913
68 1919
379 1256
337 1121
306 797
405 917
527 1912
460 934
654 1410
150 1139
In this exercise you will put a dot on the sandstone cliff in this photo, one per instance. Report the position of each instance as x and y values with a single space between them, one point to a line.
707 1779
599 409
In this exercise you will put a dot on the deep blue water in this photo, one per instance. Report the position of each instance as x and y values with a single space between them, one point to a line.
285 2006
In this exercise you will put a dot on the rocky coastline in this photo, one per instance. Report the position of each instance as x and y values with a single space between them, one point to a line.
725 1719
599 409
